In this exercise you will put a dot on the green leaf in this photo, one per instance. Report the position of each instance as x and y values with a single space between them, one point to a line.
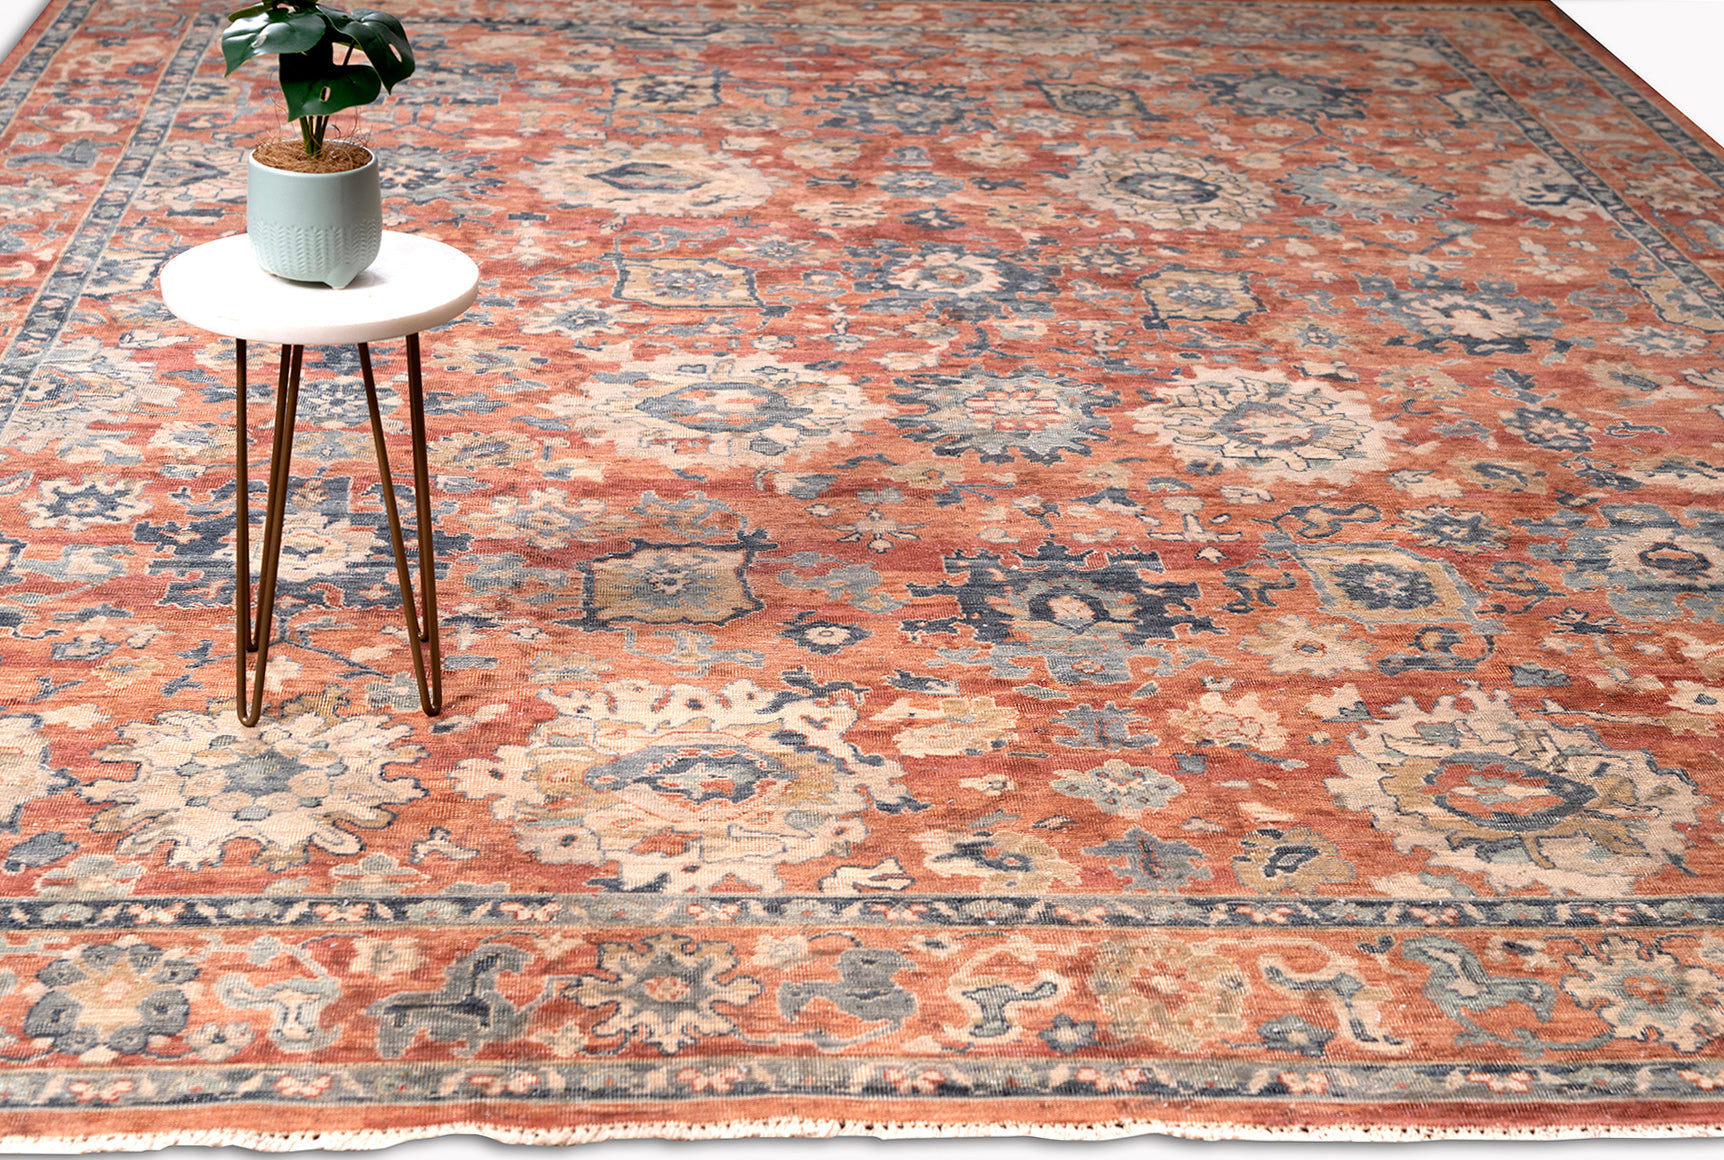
273 30
322 89
383 41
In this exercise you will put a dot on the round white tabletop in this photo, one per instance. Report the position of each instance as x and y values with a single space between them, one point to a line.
415 283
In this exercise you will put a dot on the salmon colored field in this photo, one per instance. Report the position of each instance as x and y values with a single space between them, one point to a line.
1003 567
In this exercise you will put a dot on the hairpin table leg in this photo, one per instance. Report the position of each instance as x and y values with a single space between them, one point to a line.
275 515
244 642
420 627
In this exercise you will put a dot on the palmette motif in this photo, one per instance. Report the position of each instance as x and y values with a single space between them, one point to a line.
1003 565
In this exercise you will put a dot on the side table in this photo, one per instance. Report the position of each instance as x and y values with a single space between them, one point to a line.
414 284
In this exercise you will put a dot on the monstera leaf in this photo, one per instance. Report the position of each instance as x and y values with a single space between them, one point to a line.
316 87
381 38
258 31
304 34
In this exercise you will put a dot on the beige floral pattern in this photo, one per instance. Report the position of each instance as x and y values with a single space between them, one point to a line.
997 861
203 783
665 992
751 411
25 772
1520 801
1180 995
1243 723
1168 190
958 726
654 178
1642 991
1540 185
1292 644
1294 860
682 788
314 545
1268 425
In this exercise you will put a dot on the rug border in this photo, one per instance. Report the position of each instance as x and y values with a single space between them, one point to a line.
1609 58
1211 1129
800 1128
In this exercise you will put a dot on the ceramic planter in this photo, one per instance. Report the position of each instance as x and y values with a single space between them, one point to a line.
314 227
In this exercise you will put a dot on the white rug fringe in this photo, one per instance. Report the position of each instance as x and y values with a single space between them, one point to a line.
362 1139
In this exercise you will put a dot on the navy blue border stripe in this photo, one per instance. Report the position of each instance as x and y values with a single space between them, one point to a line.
674 1079
64 285
23 81
1646 235
1696 152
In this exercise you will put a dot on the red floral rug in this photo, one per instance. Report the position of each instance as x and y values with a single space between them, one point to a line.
1077 568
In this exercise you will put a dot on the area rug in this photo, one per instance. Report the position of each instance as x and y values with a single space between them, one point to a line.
1060 568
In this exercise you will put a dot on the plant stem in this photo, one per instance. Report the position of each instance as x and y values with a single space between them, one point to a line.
312 131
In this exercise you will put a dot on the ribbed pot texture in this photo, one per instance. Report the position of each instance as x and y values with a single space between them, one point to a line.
314 227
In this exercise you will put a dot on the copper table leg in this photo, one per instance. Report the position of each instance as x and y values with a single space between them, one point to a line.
249 694
419 629
275 514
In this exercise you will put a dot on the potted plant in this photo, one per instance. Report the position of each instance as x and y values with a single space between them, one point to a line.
314 208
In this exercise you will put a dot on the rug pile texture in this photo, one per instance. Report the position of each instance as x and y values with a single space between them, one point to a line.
1076 568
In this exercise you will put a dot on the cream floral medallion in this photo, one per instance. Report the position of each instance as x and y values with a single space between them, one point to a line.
681 788
1270 425
1182 996
77 506
654 178
314 546
203 782
1643 991
1168 190
25 774
1292 644
750 412
1539 185
1521 801
666 992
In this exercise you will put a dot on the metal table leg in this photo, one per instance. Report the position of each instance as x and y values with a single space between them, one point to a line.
249 694
418 628
275 514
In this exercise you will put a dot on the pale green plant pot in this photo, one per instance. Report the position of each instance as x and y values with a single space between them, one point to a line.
314 227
